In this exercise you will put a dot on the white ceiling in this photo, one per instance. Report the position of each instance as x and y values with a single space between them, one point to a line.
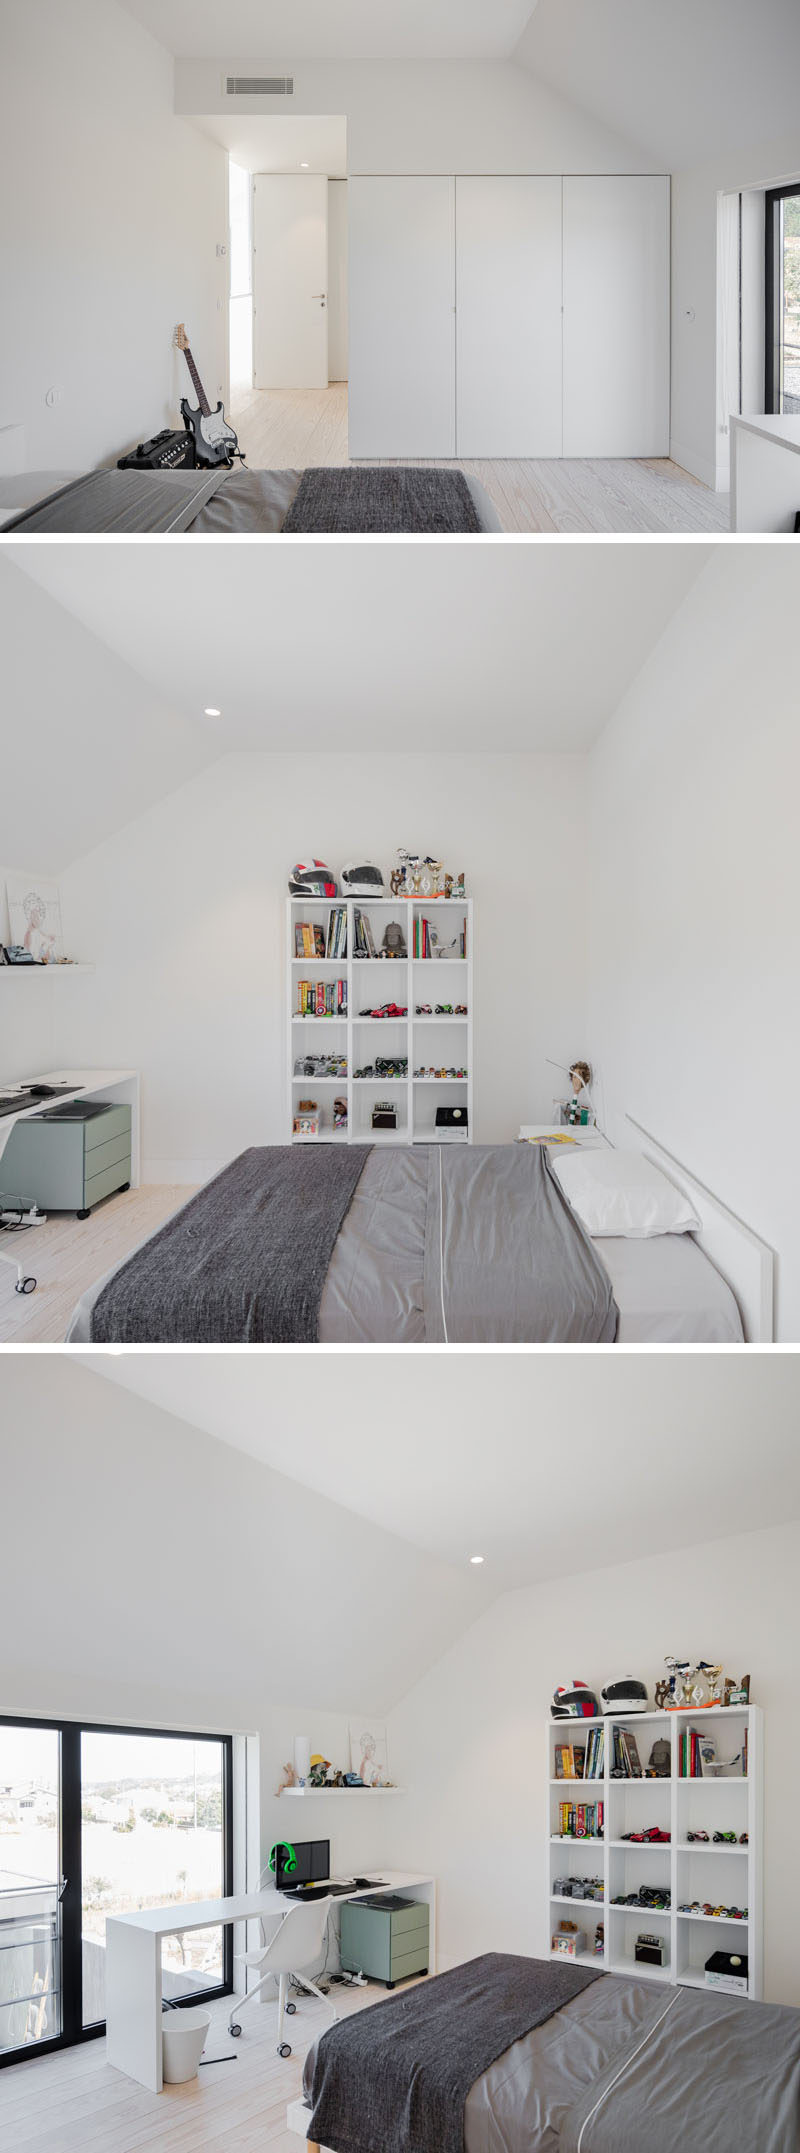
383 646
543 1463
282 145
695 80
290 30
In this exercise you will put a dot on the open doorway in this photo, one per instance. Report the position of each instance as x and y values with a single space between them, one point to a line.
288 290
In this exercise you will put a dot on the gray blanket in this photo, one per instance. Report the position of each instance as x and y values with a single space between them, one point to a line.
244 1261
399 498
395 2079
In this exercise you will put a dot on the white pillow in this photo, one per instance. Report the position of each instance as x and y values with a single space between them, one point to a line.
619 1192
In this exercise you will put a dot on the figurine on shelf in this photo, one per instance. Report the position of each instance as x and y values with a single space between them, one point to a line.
578 1109
289 1779
448 886
397 881
459 887
738 1692
394 941
659 1763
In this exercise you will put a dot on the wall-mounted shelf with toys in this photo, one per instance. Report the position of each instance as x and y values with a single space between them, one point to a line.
655 1831
398 1027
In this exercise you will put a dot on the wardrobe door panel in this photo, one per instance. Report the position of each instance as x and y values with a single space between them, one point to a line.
616 317
508 294
402 322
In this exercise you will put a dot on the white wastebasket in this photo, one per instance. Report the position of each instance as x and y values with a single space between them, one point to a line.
183 2038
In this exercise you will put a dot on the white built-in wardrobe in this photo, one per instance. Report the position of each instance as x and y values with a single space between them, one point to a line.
517 317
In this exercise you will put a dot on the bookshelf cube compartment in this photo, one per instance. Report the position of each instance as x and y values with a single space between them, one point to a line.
625 1925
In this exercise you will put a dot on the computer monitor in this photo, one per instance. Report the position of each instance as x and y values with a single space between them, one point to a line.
302 1861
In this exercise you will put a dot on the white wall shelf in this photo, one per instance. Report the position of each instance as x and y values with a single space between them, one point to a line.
327 1794
691 1870
424 1042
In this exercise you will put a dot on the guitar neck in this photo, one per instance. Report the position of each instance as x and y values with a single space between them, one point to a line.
198 386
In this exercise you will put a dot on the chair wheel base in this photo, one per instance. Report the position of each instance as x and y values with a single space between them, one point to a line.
290 2007
284 2049
25 1285
234 2032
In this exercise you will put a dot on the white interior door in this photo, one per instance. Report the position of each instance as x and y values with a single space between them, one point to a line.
508 296
402 322
616 317
290 281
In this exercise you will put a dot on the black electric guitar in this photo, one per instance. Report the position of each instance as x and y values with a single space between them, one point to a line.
214 440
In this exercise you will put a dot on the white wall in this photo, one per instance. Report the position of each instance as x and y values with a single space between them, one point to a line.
440 116
694 1021
338 324
470 1741
698 441
181 1584
183 913
112 211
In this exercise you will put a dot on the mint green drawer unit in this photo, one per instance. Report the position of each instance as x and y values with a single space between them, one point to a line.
386 1945
68 1165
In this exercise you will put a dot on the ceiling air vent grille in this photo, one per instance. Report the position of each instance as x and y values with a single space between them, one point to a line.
259 85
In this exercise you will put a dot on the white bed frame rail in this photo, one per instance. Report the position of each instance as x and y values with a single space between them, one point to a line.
746 1263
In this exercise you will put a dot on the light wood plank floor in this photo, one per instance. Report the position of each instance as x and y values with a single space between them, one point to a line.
69 1254
295 428
75 2102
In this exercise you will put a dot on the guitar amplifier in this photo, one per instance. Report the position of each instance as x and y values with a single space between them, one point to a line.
166 452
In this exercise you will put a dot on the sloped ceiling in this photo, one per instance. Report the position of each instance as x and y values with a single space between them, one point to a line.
292 30
546 1464
287 1594
694 80
427 648
87 742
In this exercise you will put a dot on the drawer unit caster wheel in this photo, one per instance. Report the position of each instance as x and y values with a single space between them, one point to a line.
234 2032
290 2008
25 1285
284 2049
81 1214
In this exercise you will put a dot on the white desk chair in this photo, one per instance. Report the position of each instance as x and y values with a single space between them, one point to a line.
298 1942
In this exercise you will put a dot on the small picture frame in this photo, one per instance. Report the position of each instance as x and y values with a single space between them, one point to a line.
368 1751
34 914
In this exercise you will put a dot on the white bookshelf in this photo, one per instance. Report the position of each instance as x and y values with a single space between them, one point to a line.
715 1875
437 1042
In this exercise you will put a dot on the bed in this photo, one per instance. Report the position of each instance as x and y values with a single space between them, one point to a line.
422 1245
401 499
616 2066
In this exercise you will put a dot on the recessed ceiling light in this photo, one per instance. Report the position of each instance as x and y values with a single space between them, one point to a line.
212 713
477 1559
304 167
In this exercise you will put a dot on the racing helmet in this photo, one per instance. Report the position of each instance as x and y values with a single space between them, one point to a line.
574 1702
362 881
625 1696
311 878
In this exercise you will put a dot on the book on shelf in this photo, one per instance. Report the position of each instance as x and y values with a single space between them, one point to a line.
595 1753
337 933
625 1760
364 945
321 998
569 1760
580 1820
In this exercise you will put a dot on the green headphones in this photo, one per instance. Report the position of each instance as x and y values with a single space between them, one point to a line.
282 1845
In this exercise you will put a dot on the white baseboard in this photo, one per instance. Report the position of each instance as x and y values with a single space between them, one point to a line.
696 465
159 1172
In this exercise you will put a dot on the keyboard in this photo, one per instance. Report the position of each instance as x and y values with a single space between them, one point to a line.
317 1891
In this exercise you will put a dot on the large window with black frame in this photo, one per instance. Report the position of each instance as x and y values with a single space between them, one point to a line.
97 1821
782 339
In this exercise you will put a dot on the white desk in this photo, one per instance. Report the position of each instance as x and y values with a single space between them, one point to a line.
120 1087
133 1962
